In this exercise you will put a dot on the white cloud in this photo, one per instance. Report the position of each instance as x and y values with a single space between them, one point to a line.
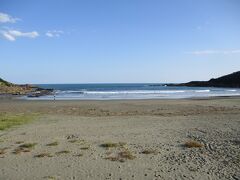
5 18
11 35
209 52
54 33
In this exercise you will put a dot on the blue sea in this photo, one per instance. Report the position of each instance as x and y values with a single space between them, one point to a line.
131 91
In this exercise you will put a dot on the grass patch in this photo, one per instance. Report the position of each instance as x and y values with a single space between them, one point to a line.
122 156
193 144
53 144
41 155
113 145
85 148
109 145
63 152
126 155
28 145
149 151
19 142
9 120
3 151
50 177
20 150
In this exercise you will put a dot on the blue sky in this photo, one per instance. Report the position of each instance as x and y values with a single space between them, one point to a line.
114 41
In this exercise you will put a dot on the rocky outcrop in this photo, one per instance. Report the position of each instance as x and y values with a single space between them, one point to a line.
26 89
230 80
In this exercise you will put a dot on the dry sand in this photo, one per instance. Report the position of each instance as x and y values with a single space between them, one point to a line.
147 137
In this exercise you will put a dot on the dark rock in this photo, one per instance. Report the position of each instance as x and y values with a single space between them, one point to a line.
230 80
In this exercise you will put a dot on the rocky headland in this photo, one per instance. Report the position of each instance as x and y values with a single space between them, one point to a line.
230 80
7 88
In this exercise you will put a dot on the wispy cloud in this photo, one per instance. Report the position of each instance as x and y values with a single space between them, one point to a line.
12 35
54 33
209 52
5 18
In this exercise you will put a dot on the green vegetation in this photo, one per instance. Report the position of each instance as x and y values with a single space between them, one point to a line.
10 120
5 83
78 141
112 145
53 144
43 155
149 151
24 148
19 142
28 145
85 148
63 152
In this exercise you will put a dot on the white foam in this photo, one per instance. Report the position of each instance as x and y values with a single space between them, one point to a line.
232 90
134 92
202 91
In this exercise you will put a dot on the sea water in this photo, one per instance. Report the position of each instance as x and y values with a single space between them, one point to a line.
131 91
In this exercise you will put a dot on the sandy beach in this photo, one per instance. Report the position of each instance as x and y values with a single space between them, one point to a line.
131 139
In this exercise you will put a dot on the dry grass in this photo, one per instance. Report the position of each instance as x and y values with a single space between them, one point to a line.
149 151
53 144
28 145
19 142
50 177
122 156
24 148
85 148
3 151
63 152
20 150
41 155
113 145
193 144
126 155
109 145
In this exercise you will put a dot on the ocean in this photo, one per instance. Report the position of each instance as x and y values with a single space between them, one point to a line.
130 91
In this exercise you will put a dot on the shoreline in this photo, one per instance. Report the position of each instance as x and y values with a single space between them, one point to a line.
20 97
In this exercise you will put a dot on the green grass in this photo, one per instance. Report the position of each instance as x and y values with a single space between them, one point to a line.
10 120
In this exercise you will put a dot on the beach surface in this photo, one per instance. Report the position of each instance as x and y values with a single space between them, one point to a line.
130 139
